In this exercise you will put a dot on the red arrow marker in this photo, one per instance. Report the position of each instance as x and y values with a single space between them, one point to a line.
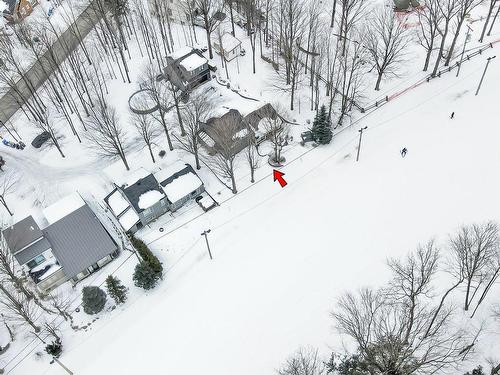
277 175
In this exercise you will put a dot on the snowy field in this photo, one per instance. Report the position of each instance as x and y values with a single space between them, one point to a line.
282 256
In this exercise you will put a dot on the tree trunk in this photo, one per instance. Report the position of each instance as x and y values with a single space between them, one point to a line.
455 37
379 79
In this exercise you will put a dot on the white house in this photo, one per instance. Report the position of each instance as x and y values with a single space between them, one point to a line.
231 46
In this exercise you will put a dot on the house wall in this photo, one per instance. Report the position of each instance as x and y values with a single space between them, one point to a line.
100 263
181 202
154 212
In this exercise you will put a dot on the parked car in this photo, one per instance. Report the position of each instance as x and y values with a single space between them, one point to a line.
40 139
242 52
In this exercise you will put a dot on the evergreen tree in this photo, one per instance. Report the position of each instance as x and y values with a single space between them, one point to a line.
147 256
144 276
93 300
322 128
116 290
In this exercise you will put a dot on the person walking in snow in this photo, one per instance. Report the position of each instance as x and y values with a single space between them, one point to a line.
404 151
452 115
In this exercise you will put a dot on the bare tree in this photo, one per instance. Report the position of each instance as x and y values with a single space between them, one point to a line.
291 15
487 20
193 114
349 71
62 304
52 329
303 362
277 132
386 40
105 133
476 259
163 95
252 157
225 134
9 270
465 7
18 308
390 325
430 19
352 11
147 130
448 10
211 12
8 183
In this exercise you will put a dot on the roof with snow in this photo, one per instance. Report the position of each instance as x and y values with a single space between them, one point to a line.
133 192
179 184
193 62
128 219
149 198
181 52
63 207
117 202
229 42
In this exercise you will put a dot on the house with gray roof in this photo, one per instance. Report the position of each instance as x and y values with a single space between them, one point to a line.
187 69
137 203
245 128
72 246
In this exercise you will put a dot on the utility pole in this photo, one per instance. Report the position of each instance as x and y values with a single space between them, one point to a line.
484 73
359 144
64 367
205 233
463 50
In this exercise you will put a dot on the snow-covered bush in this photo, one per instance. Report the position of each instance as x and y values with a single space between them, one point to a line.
93 300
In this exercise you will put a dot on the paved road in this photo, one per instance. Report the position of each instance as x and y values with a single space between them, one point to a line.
68 41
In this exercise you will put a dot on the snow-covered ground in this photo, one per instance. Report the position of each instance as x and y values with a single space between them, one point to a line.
281 256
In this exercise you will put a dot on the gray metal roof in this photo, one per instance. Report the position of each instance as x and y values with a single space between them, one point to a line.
134 191
79 240
22 234
32 251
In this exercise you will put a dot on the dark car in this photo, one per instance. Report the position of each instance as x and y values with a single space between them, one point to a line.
40 139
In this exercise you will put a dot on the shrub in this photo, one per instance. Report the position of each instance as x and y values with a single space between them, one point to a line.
147 256
94 299
162 153
54 348
145 277
116 290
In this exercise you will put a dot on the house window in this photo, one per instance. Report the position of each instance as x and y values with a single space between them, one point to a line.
148 211
35 262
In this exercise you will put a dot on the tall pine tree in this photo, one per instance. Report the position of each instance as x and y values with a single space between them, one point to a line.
116 290
322 129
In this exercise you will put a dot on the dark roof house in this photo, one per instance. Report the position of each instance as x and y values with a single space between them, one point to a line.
74 244
142 201
187 68
244 128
